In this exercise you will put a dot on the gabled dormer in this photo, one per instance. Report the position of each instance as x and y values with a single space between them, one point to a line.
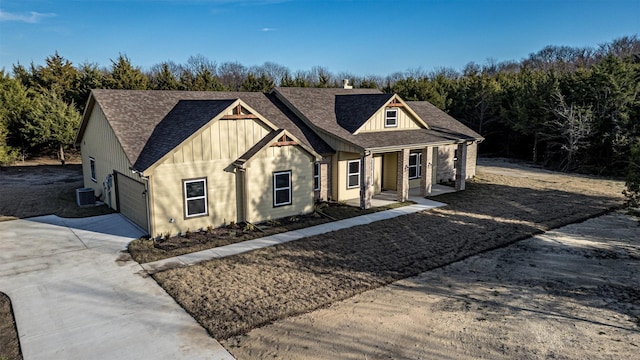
392 116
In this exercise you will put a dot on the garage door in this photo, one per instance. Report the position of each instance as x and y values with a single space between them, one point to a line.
132 200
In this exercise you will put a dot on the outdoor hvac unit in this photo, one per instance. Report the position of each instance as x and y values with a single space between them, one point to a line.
85 197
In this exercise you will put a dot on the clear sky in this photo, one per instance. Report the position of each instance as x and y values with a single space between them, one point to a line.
363 37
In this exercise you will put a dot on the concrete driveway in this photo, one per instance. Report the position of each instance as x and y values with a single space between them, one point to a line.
76 296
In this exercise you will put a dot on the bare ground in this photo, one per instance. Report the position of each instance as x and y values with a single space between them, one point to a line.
35 189
9 343
567 294
233 295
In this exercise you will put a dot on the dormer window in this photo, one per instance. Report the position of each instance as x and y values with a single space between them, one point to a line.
391 118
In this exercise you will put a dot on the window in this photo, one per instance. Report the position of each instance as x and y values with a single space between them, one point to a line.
455 159
195 197
316 176
353 174
415 165
92 165
282 188
391 118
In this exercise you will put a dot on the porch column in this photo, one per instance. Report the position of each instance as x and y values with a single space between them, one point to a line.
366 164
461 167
402 187
427 171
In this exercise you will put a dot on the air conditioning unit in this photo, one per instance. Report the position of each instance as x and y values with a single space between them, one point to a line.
85 197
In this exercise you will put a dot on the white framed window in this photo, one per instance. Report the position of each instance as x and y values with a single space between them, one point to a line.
415 165
353 174
316 176
455 158
282 188
391 118
92 166
195 197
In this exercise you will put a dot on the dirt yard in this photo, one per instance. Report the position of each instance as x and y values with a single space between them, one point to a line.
9 343
34 190
234 295
568 294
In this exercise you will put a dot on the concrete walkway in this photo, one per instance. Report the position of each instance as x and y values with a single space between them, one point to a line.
421 204
75 294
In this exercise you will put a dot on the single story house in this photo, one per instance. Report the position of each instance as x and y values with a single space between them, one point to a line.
173 161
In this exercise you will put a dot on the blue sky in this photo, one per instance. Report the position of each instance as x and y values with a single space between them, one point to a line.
372 37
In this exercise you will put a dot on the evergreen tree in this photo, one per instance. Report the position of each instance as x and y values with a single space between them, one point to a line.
123 75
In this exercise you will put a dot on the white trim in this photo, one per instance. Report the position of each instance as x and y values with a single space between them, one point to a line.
417 166
387 118
187 199
275 189
349 173
316 176
92 168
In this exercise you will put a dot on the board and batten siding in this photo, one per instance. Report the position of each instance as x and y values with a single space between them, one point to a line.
100 142
209 153
259 173
168 211
343 192
376 122
224 139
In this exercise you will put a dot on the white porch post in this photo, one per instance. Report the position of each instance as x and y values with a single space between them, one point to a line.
366 164
403 175
461 167
427 171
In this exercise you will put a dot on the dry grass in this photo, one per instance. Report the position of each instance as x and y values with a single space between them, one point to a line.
147 250
9 343
232 295
28 191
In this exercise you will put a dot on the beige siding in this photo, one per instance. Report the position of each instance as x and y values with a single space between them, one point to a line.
377 173
260 183
343 192
224 139
376 123
168 198
390 168
100 142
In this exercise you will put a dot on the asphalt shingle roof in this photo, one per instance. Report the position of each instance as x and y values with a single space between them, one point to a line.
328 110
135 114
352 111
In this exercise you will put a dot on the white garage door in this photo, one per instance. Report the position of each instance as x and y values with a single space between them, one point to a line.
132 200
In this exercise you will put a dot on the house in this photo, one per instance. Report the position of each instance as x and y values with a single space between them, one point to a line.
171 161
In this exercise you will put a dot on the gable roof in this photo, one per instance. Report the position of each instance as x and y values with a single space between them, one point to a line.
180 123
353 110
268 140
134 114
441 122
326 110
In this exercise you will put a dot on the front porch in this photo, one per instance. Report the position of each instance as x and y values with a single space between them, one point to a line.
388 197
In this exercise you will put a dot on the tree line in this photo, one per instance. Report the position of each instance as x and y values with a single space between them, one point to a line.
567 108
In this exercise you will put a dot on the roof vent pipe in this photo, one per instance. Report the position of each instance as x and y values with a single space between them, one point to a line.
346 85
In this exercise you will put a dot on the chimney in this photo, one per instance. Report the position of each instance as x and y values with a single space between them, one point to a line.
346 85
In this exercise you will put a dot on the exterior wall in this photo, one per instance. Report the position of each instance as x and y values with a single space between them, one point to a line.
100 142
390 168
343 192
209 153
415 183
166 185
446 171
224 139
325 180
377 173
376 123
472 158
260 183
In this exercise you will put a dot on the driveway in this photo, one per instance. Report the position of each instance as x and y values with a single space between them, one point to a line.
77 296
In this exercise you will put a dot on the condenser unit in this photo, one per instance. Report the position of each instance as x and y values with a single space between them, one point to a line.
85 197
